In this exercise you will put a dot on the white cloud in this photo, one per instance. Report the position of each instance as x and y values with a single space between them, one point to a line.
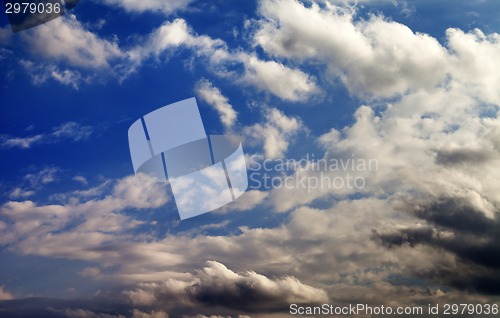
163 6
268 76
376 57
329 251
428 143
314 245
432 142
216 285
101 217
210 94
283 82
72 44
475 59
275 133
172 35
67 40
438 120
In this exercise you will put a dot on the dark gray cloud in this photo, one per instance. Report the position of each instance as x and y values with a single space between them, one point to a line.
463 156
454 226
457 214
214 290
216 286
41 307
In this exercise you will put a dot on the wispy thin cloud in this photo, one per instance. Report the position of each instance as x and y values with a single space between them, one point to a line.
44 176
41 73
213 96
70 131
18 193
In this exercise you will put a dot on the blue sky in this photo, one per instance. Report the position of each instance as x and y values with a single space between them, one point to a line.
411 84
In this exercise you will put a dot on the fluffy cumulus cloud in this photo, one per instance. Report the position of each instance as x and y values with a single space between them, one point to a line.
284 82
64 50
439 159
93 221
266 75
74 50
436 137
474 58
437 144
172 35
375 57
422 229
438 156
275 133
68 40
217 286
342 253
